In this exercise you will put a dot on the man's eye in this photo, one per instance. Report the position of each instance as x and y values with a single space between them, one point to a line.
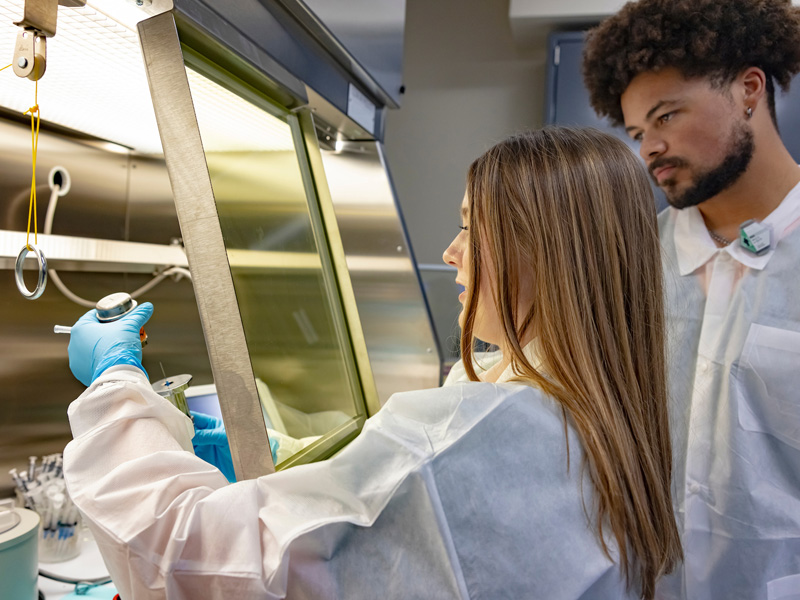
666 117
637 138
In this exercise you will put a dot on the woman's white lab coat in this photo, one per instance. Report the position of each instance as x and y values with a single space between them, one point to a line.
458 492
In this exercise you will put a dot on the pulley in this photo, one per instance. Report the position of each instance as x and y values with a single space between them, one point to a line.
38 23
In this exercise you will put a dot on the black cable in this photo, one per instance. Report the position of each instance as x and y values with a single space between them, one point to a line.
90 582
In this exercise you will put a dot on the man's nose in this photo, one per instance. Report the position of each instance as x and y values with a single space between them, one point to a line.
652 147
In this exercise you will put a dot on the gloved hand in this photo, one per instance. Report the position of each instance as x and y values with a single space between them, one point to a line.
96 346
211 444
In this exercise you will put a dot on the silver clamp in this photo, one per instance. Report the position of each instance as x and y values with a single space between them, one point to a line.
39 290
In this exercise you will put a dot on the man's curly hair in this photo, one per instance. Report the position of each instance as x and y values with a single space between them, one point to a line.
716 39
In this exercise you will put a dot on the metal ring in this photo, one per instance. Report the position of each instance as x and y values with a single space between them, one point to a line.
42 272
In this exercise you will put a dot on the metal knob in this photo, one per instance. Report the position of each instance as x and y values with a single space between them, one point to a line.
114 306
110 308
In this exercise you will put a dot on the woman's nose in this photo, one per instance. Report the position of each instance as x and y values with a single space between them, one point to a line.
451 254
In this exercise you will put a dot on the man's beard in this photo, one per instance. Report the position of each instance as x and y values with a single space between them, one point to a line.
709 184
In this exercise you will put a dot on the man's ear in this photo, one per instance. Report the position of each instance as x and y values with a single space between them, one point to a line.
753 83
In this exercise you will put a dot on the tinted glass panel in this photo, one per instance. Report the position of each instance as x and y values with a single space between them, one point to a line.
287 300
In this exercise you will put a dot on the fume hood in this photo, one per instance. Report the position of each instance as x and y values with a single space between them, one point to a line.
242 142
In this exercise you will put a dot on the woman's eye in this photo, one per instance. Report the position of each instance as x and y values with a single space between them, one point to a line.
666 117
463 227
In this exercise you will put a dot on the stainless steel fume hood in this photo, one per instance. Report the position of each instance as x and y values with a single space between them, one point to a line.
270 128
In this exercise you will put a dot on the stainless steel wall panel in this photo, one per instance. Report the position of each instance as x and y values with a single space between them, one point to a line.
98 179
441 290
151 215
402 348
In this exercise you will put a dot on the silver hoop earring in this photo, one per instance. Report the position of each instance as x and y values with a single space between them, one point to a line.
749 112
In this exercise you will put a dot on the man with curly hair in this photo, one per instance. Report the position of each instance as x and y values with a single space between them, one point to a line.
694 81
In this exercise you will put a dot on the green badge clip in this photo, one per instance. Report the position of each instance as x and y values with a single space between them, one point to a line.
755 237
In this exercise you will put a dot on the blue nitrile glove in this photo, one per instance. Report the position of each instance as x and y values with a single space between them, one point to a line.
273 449
211 444
96 346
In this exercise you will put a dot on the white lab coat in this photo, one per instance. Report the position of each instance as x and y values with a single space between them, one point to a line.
457 492
735 384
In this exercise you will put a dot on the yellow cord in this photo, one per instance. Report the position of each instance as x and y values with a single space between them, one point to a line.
4 68
34 148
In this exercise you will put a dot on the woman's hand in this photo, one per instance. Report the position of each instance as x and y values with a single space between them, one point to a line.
96 346
211 444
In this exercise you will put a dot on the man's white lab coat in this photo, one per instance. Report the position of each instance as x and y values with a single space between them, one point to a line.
734 321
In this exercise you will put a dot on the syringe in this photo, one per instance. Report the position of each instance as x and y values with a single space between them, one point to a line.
62 329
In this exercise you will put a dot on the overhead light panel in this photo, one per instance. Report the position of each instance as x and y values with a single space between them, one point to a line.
228 123
96 84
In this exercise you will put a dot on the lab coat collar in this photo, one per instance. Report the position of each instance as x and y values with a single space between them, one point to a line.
531 352
694 246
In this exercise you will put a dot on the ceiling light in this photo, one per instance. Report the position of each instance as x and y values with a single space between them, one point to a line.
95 83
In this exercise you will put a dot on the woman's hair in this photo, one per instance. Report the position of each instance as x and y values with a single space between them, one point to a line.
701 38
573 208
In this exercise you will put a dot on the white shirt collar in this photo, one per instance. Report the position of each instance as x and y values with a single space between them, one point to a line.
694 246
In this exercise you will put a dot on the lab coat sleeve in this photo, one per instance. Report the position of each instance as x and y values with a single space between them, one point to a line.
169 525
131 471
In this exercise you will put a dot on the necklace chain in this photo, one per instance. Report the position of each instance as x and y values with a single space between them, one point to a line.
718 238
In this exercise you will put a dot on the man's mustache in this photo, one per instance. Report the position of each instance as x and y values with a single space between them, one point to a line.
671 161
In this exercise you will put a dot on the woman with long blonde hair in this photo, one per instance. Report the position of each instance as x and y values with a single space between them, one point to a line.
559 228
543 475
